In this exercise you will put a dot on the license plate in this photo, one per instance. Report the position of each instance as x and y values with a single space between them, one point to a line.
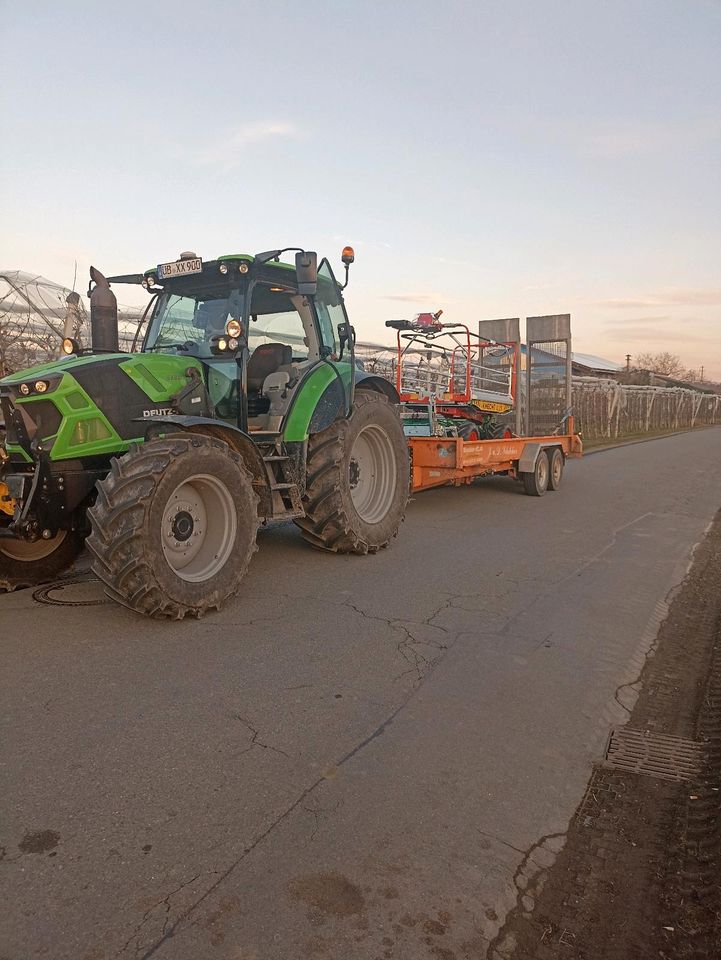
179 268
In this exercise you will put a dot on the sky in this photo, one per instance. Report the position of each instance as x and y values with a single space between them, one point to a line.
494 159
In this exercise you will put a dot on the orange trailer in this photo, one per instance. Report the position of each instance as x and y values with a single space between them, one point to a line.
439 403
537 461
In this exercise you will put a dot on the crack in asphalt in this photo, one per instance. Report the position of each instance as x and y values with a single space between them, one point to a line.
492 836
169 932
169 929
255 742
135 935
320 813
496 949
577 571
407 645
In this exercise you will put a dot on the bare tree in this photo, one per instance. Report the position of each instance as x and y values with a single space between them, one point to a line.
666 364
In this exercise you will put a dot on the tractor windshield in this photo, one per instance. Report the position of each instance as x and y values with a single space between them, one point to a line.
190 320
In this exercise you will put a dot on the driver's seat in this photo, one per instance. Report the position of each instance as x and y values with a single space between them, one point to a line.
266 359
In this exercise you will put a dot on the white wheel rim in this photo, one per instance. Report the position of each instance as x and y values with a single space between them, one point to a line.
199 528
372 474
26 551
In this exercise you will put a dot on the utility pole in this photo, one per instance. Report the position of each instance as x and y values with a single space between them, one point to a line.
701 377
628 361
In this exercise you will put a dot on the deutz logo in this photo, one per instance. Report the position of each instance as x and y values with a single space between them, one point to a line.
162 412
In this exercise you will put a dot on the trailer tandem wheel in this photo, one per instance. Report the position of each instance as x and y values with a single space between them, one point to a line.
535 482
556 469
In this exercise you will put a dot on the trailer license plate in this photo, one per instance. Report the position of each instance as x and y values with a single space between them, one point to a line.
179 268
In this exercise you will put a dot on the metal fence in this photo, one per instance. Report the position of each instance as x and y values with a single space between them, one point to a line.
605 409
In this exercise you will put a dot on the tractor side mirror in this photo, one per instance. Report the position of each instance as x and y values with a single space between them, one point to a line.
346 333
306 269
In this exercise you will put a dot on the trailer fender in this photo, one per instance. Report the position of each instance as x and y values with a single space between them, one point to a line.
527 460
531 451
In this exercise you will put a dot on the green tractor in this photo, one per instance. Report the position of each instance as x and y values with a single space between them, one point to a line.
244 406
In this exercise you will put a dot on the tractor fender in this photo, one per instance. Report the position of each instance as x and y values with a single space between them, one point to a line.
237 439
321 398
369 381
331 404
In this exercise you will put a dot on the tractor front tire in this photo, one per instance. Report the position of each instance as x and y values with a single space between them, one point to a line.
174 526
28 564
357 479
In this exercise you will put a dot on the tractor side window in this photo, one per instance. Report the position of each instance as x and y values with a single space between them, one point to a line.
329 307
280 316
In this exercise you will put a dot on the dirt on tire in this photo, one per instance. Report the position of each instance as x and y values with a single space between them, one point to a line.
332 521
126 524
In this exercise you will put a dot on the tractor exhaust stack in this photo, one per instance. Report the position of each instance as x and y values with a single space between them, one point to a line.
103 314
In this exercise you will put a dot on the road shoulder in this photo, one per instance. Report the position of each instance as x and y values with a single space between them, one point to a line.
638 873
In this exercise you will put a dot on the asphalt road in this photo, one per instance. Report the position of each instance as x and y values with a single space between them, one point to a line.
360 757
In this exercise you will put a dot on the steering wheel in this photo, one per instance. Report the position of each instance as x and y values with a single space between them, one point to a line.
195 349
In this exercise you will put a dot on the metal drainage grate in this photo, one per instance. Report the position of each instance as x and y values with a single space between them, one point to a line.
668 758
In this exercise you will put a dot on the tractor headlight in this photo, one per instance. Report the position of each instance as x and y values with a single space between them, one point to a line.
41 386
24 389
223 268
243 268
70 346
222 344
232 344
233 328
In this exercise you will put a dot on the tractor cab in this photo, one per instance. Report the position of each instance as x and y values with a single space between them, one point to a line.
255 327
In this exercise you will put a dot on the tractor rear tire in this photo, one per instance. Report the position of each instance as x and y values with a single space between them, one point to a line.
174 526
495 431
358 475
472 430
468 430
28 564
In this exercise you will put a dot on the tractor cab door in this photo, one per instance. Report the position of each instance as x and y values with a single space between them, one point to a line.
330 310
283 345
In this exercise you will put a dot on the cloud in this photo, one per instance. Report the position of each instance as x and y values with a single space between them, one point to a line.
671 298
228 151
623 321
622 137
619 143
416 297
656 341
